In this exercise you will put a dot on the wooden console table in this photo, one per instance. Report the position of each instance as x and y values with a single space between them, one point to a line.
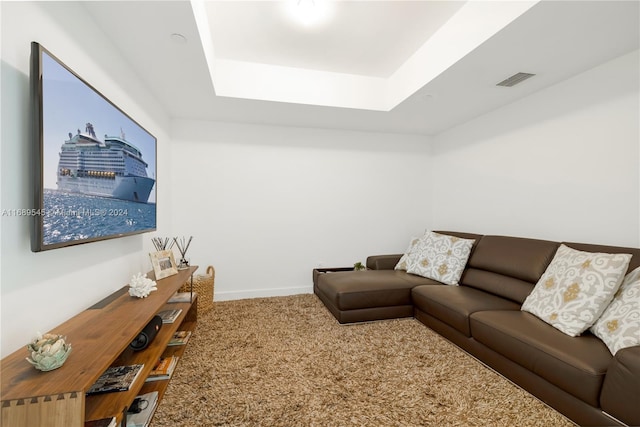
100 338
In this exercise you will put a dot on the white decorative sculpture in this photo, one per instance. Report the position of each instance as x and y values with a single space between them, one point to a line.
141 286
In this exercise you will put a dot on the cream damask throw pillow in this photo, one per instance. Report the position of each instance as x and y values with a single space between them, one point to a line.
575 288
441 257
409 256
619 325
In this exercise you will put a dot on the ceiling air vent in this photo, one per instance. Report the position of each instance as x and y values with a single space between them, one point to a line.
515 79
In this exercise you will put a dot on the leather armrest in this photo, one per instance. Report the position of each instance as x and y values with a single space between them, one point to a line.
621 389
383 262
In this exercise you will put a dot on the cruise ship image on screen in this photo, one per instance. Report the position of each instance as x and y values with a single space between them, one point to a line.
111 168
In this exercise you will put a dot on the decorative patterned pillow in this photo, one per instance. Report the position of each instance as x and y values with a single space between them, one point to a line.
575 288
409 255
441 257
619 325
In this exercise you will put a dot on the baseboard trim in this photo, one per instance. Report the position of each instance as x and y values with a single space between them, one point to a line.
261 293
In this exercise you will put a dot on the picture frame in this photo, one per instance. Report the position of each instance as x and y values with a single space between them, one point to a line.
164 264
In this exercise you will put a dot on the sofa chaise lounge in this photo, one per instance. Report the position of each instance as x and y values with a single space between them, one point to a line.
578 376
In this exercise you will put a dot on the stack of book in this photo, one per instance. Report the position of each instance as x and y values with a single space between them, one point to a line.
180 338
116 378
163 369
182 297
170 316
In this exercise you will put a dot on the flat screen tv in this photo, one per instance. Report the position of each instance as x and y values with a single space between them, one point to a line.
94 167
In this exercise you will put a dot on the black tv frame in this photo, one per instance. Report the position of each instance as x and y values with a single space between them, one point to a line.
38 211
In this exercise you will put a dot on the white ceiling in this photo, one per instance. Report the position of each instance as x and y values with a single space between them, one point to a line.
364 40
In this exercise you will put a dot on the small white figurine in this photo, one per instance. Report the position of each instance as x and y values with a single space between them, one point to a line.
141 286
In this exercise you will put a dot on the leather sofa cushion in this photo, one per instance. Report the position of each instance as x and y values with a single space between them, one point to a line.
508 287
517 257
352 290
619 395
383 262
453 304
577 365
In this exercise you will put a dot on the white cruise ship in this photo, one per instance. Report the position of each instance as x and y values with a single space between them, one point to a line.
110 168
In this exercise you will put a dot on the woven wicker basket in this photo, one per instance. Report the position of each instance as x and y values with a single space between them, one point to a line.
203 285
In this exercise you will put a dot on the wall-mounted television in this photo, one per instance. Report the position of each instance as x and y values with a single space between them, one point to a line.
94 167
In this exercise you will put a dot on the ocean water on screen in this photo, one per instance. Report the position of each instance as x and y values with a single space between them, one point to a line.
71 216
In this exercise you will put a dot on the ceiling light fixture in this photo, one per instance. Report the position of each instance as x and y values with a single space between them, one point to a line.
309 13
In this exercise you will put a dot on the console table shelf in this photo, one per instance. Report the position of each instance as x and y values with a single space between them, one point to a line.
100 338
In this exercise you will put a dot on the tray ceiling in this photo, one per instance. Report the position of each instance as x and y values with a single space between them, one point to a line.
392 66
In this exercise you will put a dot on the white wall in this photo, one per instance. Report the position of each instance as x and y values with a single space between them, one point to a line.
41 290
561 164
267 204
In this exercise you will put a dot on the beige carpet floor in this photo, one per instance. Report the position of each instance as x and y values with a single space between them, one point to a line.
285 361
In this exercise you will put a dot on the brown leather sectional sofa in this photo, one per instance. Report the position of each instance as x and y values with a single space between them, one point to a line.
577 376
